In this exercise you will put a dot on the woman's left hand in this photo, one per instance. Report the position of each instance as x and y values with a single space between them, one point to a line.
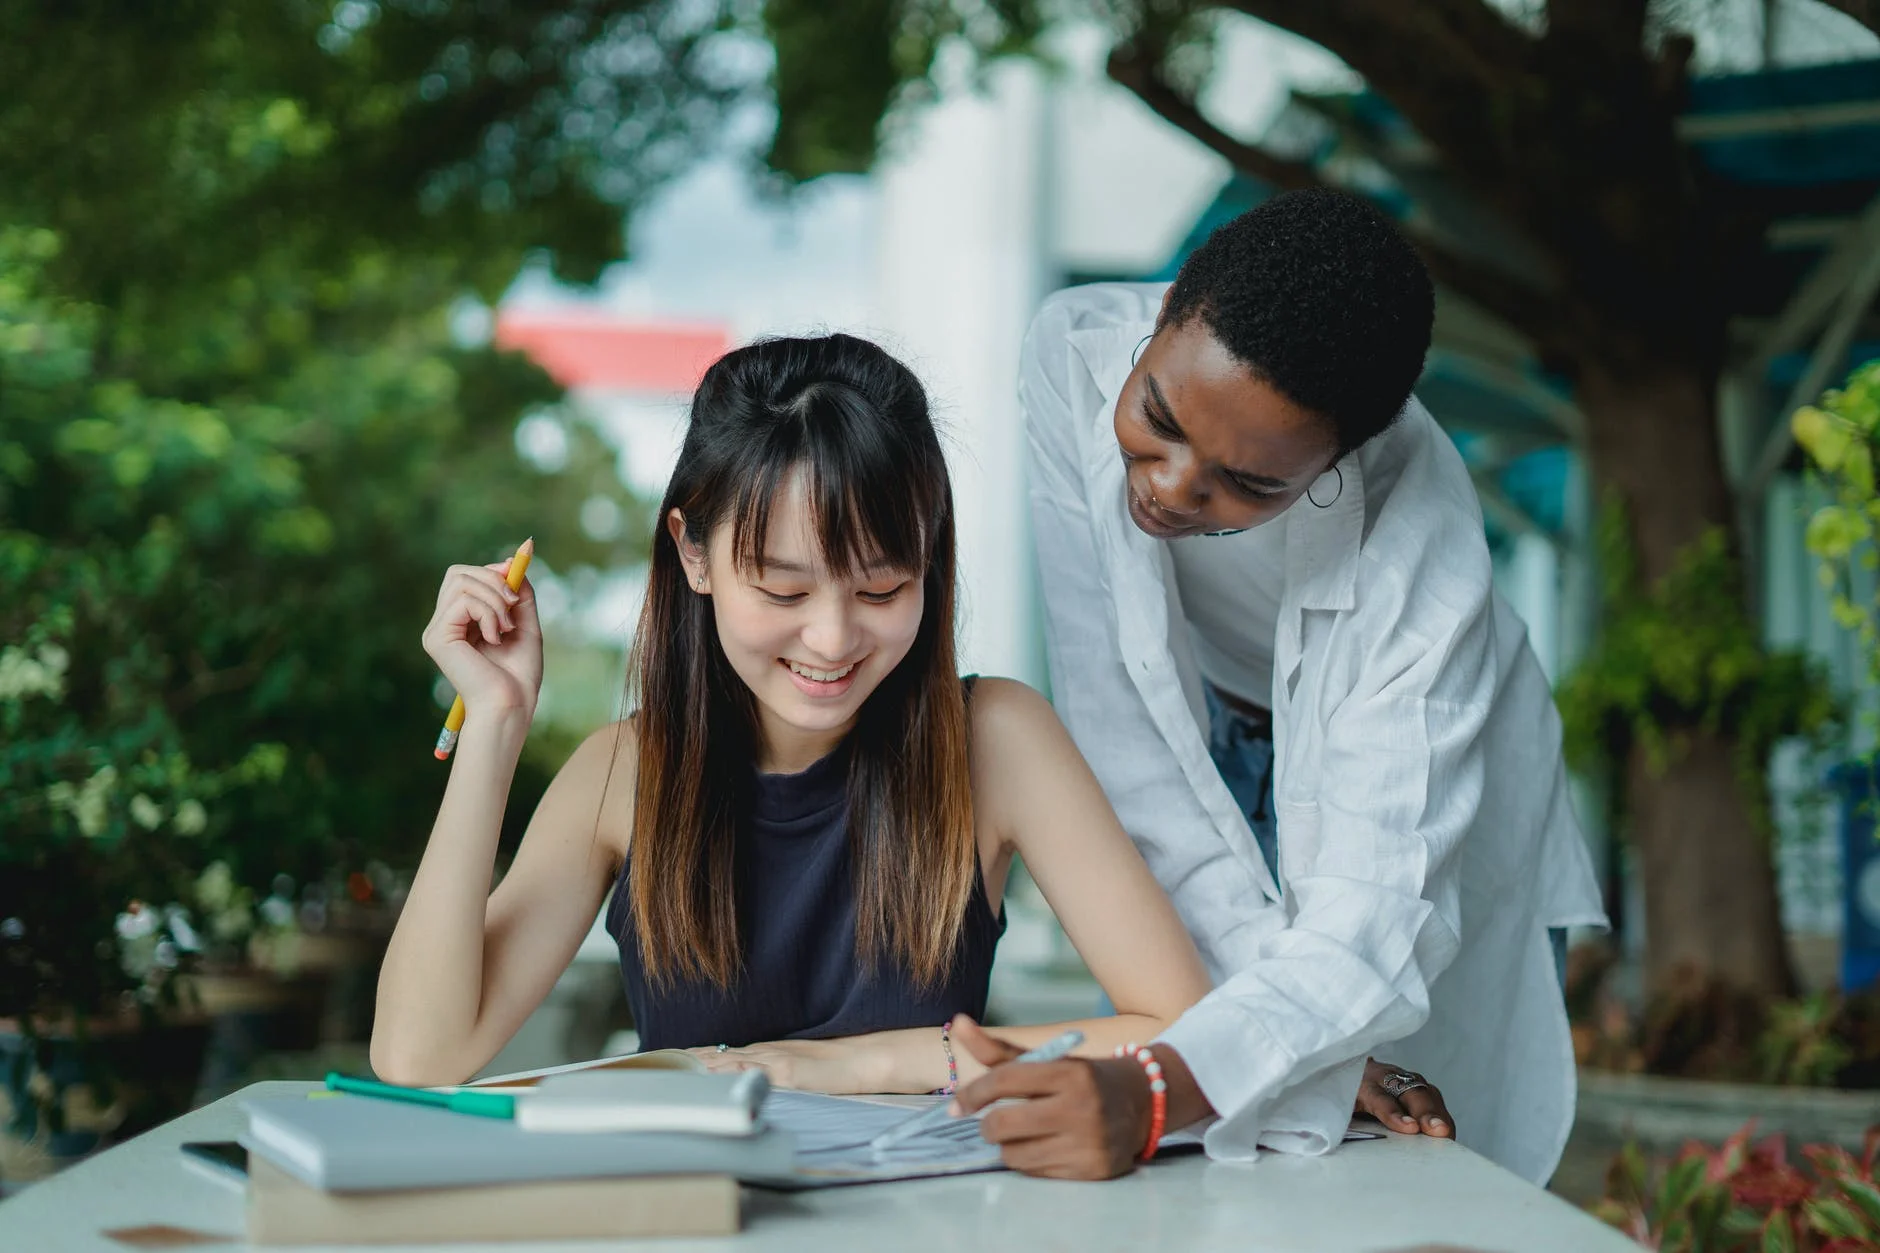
1417 1107
840 1067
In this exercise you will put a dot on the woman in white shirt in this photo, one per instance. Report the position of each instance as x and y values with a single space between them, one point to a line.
1272 632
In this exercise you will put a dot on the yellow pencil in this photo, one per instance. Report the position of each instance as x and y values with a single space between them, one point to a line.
453 721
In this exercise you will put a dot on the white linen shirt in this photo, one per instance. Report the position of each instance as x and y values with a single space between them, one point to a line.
1426 841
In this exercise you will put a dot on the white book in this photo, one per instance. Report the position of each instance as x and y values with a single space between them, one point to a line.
361 1143
593 1101
525 1080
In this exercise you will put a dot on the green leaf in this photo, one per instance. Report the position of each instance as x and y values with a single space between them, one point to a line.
1857 469
1864 1195
1832 1217
1681 1184
1777 1234
1825 437
1833 531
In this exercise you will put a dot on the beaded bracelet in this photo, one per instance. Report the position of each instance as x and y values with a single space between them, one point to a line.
1158 1094
953 1069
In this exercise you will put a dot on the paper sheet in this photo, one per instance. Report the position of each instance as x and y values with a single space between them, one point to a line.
832 1135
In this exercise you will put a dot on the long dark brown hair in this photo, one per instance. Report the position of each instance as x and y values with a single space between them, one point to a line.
854 422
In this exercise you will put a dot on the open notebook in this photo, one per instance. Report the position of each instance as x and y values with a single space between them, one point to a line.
830 1133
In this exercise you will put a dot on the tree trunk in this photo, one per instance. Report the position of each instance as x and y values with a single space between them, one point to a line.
1714 954
1713 925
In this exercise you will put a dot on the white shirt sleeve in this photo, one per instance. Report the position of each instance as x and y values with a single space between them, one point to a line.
1090 685
1374 888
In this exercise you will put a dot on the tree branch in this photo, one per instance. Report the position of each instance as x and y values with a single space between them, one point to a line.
1569 137
1460 41
1866 12
1522 306
1619 23
1139 72
1525 308
1455 69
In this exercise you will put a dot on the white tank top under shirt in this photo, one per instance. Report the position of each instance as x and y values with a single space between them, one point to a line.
1230 588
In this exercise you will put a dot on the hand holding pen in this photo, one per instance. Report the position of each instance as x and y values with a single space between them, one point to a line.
1049 1051
1074 1118
487 639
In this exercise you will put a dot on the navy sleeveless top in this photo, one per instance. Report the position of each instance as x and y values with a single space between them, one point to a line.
802 978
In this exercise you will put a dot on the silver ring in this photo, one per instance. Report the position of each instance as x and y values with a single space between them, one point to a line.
1398 1082
724 1048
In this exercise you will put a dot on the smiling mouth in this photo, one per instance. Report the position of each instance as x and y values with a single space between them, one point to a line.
820 676
1153 522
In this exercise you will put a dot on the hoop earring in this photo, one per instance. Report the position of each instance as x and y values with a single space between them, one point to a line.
1136 356
1334 500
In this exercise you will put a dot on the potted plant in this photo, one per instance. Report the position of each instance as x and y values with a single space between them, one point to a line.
97 839
1747 1196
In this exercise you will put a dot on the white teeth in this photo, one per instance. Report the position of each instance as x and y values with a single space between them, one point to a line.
820 676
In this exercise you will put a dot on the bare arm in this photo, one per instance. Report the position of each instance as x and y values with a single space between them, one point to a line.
465 966
1035 789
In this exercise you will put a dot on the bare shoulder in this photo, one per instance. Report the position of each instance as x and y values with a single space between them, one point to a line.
995 701
1010 721
1030 784
598 777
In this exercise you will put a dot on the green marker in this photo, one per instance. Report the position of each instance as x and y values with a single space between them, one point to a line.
482 1104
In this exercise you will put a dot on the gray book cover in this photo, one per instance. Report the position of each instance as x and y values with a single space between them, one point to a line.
357 1144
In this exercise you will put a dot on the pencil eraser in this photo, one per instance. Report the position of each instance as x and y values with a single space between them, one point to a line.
442 754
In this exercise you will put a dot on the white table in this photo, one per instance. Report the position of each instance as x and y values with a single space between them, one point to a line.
1394 1193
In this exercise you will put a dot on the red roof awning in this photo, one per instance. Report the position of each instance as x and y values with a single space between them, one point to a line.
593 350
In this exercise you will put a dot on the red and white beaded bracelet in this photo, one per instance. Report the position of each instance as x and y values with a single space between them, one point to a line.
1158 1094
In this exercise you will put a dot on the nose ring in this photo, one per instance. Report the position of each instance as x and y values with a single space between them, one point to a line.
1162 507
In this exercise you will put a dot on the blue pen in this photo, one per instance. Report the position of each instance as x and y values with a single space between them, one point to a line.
1049 1051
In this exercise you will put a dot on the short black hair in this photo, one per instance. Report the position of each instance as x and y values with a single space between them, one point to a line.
1320 296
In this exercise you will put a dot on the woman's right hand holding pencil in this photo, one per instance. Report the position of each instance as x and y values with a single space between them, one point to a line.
487 639
466 965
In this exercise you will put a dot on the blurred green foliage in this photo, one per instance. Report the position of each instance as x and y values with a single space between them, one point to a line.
1744 1197
239 442
1839 435
1681 656
845 72
172 145
212 603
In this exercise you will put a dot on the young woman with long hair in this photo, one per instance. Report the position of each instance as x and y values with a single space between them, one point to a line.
809 819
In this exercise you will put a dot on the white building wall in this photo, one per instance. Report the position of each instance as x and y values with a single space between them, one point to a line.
960 270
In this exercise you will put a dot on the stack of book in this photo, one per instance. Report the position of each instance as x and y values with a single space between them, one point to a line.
586 1156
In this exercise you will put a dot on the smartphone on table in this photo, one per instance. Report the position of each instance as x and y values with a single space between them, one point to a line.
222 1160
